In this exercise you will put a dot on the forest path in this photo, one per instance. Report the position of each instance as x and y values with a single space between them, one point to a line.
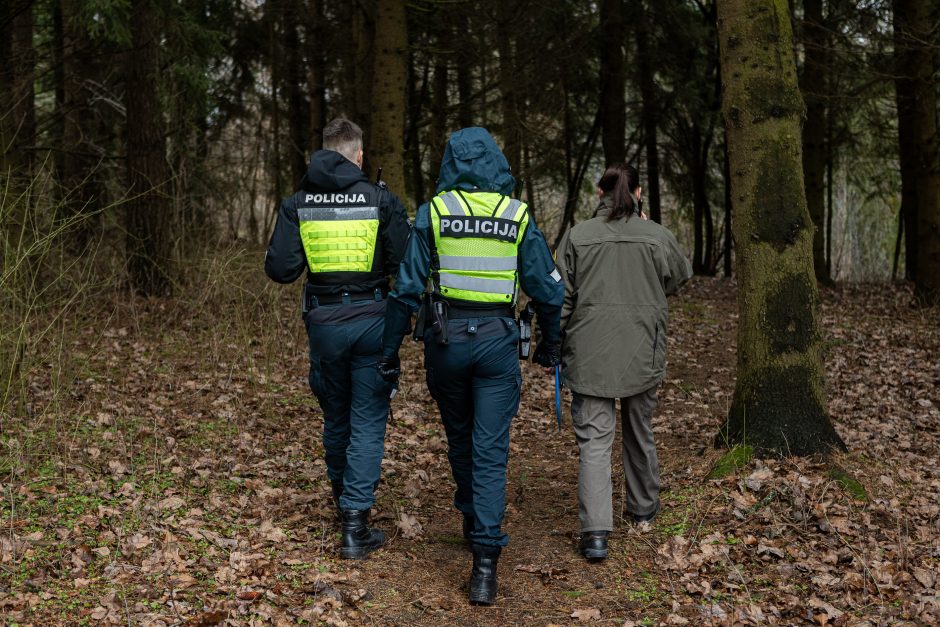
179 480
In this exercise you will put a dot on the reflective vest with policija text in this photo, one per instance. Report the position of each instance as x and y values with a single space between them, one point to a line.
339 230
477 239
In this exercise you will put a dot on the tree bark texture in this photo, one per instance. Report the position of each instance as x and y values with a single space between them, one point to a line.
79 160
612 82
779 404
437 133
388 104
17 77
316 72
915 26
149 244
648 112
813 87
510 128
365 44
297 106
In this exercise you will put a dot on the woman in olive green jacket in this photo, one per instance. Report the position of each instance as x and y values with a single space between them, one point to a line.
618 269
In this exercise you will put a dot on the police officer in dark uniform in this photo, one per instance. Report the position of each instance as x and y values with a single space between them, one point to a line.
478 245
349 235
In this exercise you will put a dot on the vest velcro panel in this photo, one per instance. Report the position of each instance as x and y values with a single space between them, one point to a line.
339 239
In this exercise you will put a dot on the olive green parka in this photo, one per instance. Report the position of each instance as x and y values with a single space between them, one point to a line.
614 321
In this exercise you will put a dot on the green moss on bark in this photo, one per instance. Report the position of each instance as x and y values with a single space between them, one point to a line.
780 215
777 410
772 97
790 311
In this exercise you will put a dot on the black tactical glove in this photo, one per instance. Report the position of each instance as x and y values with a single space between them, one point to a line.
547 354
390 368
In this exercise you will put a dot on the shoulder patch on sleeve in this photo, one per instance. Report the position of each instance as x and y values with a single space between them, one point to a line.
556 275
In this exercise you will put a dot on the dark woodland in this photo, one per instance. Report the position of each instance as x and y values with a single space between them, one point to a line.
160 452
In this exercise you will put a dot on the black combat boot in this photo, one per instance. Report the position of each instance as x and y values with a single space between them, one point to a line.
593 545
483 576
358 539
337 488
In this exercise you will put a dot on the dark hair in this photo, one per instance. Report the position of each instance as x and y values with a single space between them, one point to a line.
344 137
622 180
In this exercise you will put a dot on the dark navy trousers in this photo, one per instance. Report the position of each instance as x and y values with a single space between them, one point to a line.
476 381
345 379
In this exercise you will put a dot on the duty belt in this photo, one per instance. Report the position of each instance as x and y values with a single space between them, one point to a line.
456 312
318 300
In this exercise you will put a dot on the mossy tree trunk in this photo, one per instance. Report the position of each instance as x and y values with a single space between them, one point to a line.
388 94
779 404
918 142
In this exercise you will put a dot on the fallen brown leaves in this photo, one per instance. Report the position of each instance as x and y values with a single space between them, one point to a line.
180 480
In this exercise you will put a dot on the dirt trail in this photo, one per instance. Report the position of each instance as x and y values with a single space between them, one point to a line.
180 481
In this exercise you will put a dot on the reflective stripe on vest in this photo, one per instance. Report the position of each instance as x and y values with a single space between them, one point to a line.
477 239
339 239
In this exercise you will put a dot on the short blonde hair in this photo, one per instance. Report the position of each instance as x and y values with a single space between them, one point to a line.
343 136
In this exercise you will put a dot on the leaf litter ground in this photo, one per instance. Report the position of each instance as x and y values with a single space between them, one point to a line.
178 479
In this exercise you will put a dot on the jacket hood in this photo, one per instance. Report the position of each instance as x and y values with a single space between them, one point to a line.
330 171
473 161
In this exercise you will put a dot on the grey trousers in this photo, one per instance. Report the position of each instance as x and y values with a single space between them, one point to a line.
594 427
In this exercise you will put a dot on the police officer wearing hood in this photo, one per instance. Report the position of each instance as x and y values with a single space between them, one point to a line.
478 245
349 235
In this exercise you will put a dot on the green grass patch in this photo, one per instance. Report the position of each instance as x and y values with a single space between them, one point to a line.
736 458
847 482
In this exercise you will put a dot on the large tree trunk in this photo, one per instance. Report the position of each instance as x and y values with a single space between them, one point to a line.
918 142
813 87
388 104
728 244
413 143
703 249
17 77
297 107
648 111
904 60
149 243
316 73
612 82
437 133
510 129
365 43
779 404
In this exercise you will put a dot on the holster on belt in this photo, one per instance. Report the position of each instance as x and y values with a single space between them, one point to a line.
421 320
306 296
525 331
439 320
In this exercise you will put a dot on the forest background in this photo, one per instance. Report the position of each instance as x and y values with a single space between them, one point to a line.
146 144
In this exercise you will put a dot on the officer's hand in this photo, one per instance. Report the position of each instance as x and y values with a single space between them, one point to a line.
390 368
547 354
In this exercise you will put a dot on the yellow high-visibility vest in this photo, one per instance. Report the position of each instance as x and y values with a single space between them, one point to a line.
338 235
477 237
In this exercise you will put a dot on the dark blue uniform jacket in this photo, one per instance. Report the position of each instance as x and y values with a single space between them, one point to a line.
473 162
329 171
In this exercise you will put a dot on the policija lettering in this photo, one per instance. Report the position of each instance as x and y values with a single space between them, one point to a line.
480 226
341 199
